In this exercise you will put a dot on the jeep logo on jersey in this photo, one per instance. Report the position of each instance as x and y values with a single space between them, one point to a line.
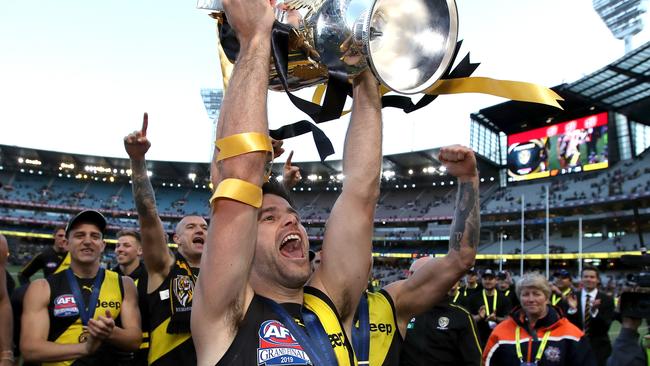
65 306
278 346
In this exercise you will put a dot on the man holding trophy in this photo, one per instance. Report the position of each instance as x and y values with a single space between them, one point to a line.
252 305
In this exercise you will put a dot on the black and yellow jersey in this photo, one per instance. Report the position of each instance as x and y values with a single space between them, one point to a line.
139 276
49 261
385 338
65 322
446 335
170 340
263 339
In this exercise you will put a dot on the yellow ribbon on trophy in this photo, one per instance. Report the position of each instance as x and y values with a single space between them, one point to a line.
513 90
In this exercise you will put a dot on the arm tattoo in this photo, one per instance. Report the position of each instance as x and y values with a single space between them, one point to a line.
465 223
143 195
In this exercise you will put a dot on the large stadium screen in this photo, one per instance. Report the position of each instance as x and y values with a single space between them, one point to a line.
568 147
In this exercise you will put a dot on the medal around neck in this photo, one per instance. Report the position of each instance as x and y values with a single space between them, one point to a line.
408 44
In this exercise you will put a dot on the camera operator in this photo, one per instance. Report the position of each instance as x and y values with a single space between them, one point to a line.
626 350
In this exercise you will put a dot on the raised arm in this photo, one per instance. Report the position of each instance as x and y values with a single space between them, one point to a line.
347 246
222 294
6 319
431 282
157 257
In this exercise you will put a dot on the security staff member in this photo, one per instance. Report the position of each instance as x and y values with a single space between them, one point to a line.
468 290
52 260
446 335
561 289
505 286
128 251
79 316
489 307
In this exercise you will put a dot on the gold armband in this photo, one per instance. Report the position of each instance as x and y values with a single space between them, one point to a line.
238 190
244 143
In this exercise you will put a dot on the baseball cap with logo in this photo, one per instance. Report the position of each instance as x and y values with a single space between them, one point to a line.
89 217
488 273
562 273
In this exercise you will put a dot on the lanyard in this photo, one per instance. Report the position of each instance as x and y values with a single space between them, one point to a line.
315 341
85 311
487 305
540 350
556 299
456 296
361 335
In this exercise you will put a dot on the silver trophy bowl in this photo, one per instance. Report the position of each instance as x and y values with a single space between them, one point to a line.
408 44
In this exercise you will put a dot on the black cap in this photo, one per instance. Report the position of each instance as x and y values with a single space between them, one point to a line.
488 273
562 273
87 216
471 271
502 275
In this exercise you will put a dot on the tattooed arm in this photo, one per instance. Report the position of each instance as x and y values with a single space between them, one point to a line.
157 257
431 282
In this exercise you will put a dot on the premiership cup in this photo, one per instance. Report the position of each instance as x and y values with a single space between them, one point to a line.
408 44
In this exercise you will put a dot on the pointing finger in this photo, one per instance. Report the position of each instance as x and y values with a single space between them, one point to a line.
145 123
288 162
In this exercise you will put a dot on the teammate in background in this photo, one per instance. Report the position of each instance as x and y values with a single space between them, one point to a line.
252 287
471 287
383 316
505 286
6 319
85 313
129 252
445 335
489 307
561 288
592 311
52 260
170 277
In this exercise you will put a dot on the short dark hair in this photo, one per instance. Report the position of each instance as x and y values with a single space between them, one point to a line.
129 232
277 189
57 229
590 268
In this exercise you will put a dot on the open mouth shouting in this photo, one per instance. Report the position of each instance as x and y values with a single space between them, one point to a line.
292 246
198 240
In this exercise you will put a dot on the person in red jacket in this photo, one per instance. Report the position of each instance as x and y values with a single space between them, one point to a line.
536 334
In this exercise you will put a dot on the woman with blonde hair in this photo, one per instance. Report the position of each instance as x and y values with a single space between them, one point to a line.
537 333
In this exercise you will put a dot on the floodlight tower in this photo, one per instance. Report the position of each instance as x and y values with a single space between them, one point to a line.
622 17
212 99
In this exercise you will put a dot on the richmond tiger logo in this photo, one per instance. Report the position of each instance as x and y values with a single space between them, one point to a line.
183 288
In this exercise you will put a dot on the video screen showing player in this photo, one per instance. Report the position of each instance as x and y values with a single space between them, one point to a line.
568 147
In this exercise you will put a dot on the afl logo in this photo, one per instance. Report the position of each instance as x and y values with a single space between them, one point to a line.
274 332
65 306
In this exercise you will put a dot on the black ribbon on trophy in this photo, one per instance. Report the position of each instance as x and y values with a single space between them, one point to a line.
326 43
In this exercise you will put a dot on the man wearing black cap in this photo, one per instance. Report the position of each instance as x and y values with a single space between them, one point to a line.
470 288
489 307
561 288
84 313
507 288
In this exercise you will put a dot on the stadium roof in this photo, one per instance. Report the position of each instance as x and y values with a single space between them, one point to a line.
622 86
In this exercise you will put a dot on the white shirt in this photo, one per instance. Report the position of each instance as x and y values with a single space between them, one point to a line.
583 301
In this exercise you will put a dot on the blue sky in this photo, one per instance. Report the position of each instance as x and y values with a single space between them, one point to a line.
76 76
